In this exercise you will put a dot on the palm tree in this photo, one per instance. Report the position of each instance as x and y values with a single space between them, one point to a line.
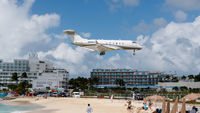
183 77
168 77
15 78
175 88
191 76
24 75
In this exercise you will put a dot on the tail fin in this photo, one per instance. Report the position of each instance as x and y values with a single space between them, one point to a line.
73 35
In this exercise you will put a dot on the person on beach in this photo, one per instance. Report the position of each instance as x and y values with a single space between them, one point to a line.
194 110
150 104
89 109
111 98
129 108
145 106
133 96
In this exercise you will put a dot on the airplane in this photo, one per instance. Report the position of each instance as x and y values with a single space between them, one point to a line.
101 46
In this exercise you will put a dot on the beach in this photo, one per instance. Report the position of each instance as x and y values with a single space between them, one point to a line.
73 105
79 105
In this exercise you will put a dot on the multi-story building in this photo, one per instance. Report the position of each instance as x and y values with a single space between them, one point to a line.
51 79
131 78
17 66
35 70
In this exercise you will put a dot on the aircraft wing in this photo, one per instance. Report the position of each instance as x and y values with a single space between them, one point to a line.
100 48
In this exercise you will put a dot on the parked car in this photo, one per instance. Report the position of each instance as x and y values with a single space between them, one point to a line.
54 94
62 94
76 94
139 97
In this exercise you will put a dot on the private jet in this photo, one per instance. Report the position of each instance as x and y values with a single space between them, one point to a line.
101 46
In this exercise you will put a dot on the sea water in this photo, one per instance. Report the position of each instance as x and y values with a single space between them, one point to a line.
16 109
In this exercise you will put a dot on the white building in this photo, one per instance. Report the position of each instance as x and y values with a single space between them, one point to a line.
51 79
35 69
169 85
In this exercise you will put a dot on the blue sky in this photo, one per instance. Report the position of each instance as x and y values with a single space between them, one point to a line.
96 17
169 31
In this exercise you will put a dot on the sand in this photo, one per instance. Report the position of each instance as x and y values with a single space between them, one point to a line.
79 105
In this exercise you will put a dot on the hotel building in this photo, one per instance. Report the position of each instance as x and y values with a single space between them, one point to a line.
35 70
131 78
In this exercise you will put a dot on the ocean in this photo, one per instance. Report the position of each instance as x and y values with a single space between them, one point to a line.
17 109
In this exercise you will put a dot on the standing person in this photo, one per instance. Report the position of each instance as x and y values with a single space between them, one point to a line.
133 96
111 97
194 110
150 104
89 109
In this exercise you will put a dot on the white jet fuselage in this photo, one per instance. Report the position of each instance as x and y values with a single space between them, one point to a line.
118 44
102 45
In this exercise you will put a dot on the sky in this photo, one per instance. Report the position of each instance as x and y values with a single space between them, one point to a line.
168 30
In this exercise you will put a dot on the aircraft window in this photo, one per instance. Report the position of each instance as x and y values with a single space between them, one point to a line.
133 42
91 41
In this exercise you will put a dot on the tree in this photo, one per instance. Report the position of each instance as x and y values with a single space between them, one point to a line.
183 77
23 86
183 88
175 79
93 81
79 83
175 88
168 77
24 75
13 87
191 76
15 78
197 78
120 82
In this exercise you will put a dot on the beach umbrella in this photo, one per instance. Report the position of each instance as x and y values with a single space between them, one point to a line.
175 106
183 109
190 97
163 106
155 98
168 107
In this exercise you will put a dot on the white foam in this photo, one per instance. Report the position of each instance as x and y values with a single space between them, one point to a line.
19 112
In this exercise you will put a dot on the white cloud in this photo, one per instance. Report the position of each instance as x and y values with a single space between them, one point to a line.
180 15
159 22
67 53
173 48
143 27
18 28
185 4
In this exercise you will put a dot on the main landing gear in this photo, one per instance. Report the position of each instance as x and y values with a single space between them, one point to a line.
134 52
102 53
